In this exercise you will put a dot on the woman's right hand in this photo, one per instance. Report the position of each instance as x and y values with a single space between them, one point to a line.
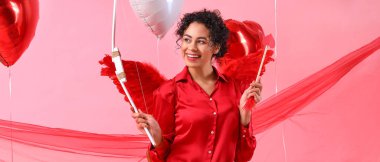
147 121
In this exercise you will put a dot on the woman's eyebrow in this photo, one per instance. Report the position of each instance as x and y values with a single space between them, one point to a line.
202 38
187 35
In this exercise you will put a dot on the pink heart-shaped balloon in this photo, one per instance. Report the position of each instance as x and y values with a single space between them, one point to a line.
18 21
158 15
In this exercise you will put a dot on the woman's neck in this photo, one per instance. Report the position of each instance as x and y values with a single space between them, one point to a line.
205 73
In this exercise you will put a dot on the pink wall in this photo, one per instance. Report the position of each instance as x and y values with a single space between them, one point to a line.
56 82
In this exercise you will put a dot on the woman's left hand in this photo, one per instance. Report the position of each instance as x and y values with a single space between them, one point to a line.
254 90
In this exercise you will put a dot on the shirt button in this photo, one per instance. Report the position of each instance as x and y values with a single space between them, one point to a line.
210 99
209 151
214 113
243 136
212 132
244 131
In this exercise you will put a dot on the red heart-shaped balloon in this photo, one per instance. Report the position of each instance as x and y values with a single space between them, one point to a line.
246 44
245 37
18 21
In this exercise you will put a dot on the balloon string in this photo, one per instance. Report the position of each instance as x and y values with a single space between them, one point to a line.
10 115
158 53
151 139
141 87
276 76
10 81
275 47
283 142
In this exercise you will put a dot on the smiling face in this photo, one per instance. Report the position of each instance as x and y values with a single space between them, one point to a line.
196 47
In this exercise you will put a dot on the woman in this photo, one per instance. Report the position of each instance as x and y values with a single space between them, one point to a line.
199 115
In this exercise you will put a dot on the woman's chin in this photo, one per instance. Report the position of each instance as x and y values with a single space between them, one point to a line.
191 63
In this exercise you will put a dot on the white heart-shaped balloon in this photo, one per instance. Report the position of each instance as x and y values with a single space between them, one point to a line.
158 15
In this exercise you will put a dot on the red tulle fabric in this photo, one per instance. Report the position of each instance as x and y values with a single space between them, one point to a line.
292 99
55 140
52 144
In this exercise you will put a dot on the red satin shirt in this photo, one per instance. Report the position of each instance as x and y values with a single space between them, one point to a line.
200 127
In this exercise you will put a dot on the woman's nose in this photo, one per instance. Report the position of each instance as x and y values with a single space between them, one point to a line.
193 46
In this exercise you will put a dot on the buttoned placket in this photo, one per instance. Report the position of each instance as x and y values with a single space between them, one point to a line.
212 132
213 105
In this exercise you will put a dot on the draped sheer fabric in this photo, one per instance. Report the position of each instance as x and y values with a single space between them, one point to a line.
39 143
292 99
27 142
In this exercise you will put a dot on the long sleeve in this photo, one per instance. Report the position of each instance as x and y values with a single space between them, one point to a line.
246 141
164 102
246 144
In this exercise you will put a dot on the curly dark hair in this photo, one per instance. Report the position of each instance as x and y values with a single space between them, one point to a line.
213 22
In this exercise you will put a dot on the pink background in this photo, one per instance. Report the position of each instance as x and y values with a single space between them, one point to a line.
57 82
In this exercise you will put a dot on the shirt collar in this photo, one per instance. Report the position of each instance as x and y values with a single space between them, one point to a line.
184 75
